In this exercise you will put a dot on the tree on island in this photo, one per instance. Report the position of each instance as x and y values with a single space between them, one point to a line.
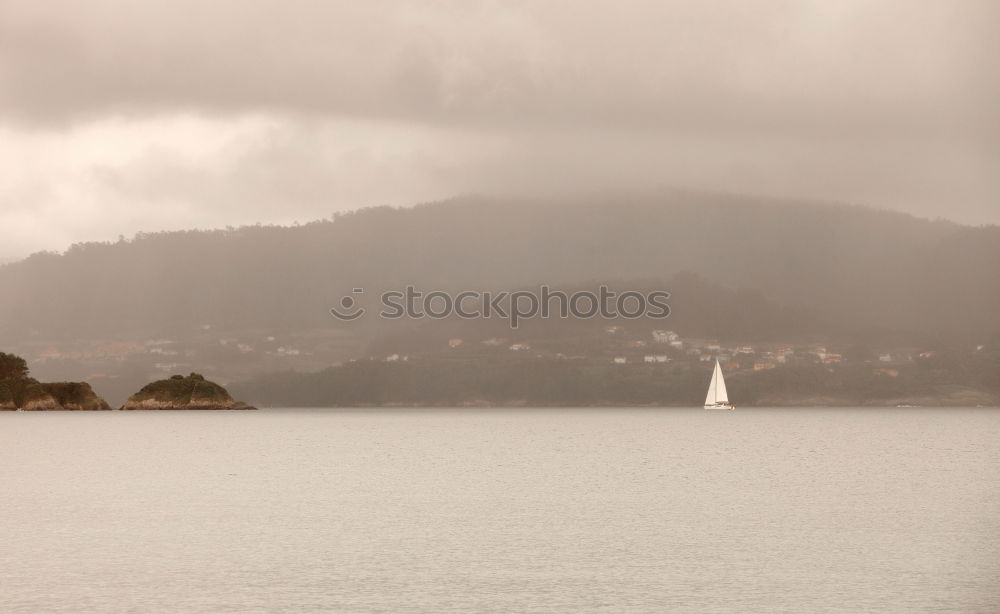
12 367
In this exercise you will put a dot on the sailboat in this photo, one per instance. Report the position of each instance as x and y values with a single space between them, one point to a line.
717 397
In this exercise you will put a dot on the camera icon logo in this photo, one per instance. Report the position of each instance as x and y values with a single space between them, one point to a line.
347 304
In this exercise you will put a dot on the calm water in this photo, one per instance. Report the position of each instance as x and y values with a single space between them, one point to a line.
501 511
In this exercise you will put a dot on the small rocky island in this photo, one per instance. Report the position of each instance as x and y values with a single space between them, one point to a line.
19 392
180 392
31 395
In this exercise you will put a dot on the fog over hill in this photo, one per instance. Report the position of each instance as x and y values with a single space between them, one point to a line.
860 269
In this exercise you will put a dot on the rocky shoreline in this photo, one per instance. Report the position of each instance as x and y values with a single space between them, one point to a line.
19 392
32 395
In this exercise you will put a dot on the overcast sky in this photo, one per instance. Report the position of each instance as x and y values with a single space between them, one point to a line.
128 115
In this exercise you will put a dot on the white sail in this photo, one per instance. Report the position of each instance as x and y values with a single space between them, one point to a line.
713 386
721 395
717 388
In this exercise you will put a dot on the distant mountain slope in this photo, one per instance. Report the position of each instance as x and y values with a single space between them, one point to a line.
854 268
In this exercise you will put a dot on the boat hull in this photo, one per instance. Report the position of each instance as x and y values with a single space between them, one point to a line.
720 406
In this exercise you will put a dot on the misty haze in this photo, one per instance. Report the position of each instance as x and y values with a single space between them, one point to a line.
733 272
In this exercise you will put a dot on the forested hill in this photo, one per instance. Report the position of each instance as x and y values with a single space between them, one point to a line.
854 268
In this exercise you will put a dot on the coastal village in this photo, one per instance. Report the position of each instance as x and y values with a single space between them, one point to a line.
667 346
231 356
658 347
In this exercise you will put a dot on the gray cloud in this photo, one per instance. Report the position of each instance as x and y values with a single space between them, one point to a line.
820 65
309 106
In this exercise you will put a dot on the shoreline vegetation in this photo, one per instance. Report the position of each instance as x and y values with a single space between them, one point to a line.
428 382
424 382
434 382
